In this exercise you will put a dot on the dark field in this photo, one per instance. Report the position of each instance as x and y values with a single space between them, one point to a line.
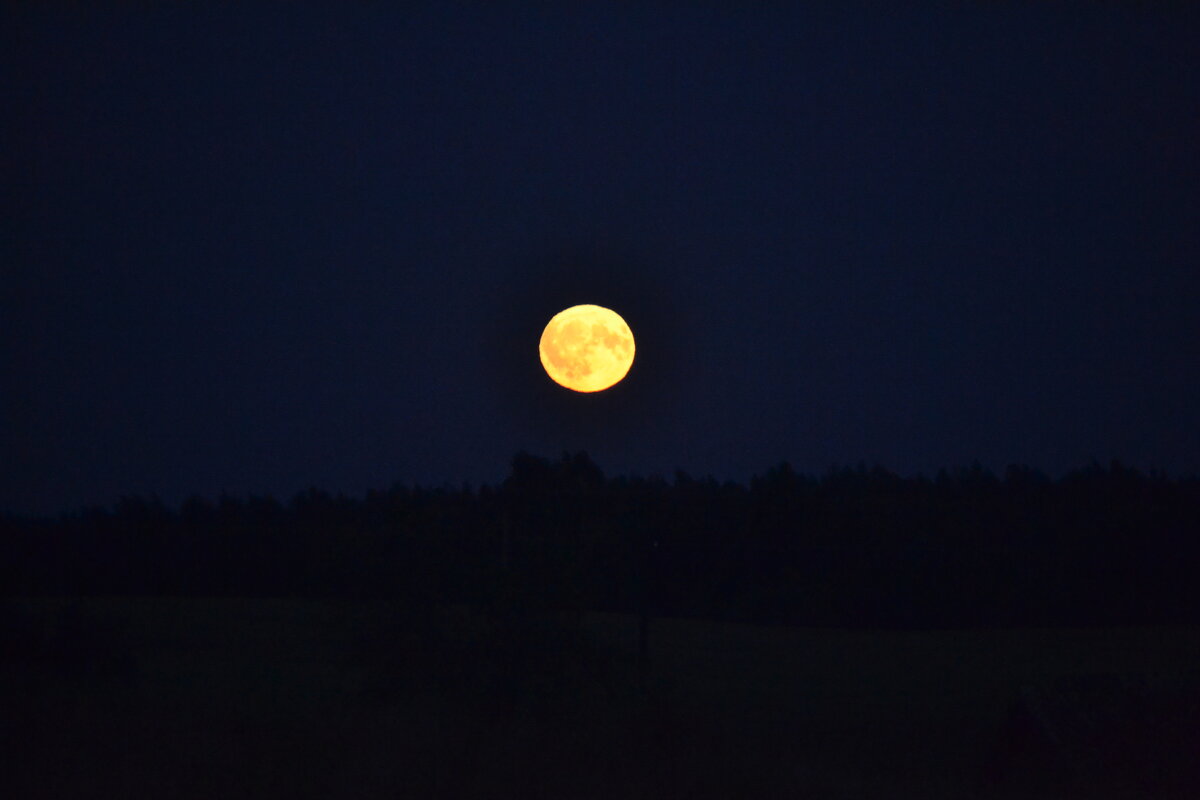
288 698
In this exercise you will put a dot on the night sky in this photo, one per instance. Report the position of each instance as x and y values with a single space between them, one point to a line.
255 247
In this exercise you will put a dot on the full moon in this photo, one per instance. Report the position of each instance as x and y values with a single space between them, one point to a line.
586 348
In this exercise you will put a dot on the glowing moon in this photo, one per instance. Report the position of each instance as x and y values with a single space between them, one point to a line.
586 348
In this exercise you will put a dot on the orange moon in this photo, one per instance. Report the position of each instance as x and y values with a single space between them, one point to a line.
586 348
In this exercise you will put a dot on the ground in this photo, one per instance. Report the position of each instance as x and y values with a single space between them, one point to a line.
174 697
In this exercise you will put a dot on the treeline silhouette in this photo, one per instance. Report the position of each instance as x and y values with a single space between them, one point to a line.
854 547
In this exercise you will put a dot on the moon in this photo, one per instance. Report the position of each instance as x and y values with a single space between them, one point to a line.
586 348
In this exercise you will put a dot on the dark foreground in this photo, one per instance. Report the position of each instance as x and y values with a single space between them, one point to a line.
259 698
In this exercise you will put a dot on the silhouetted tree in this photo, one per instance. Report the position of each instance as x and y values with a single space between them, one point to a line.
856 546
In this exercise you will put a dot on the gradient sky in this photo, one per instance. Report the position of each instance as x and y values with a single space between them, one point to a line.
255 247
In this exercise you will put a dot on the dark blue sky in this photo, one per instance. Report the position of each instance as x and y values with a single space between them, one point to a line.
252 248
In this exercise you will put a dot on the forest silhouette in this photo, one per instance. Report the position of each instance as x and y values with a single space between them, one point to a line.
855 547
